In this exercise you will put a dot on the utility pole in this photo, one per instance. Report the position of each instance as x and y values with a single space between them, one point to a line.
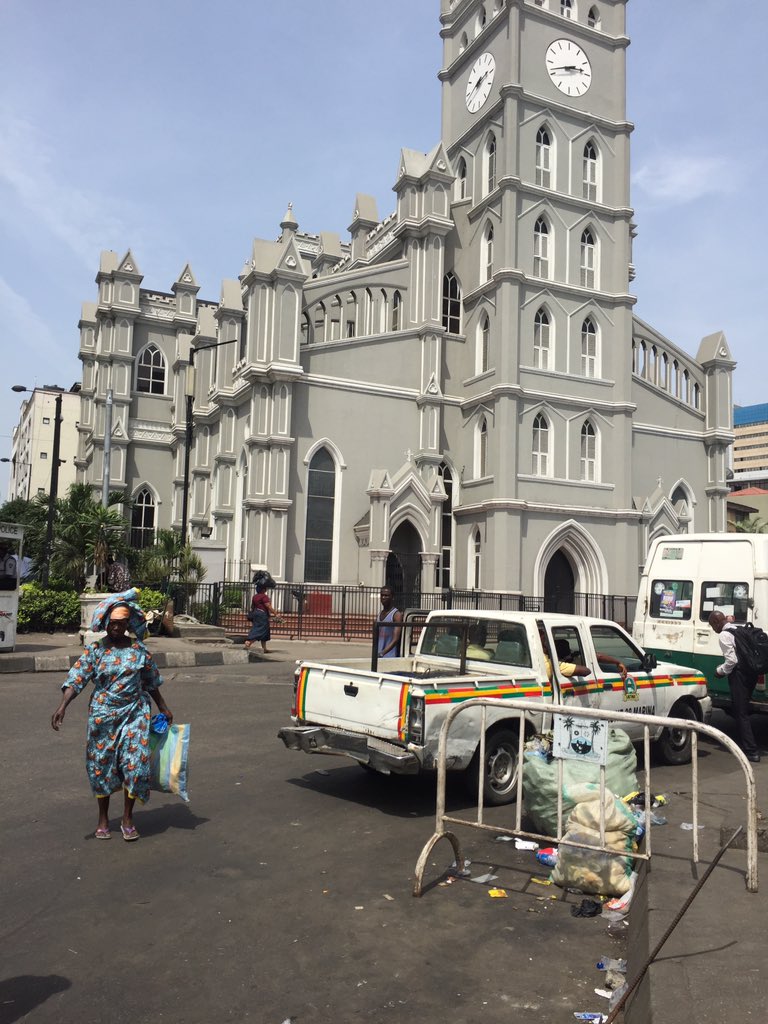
54 491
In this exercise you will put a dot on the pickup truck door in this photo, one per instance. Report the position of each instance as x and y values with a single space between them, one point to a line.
636 693
570 645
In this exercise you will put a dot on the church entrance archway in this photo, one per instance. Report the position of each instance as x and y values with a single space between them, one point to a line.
559 585
403 572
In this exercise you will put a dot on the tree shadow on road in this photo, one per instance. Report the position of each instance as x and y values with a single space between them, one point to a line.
20 995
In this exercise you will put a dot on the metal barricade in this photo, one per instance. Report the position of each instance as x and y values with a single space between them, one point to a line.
536 707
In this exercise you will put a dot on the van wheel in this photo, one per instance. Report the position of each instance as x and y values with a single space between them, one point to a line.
674 745
501 768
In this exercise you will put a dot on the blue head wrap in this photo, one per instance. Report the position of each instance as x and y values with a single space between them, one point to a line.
137 622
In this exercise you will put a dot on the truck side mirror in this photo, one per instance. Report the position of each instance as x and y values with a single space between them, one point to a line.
649 662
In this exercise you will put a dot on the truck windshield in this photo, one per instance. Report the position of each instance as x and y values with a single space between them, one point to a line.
671 599
728 598
500 642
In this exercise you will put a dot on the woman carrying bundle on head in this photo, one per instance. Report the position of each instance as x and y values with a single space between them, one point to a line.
125 682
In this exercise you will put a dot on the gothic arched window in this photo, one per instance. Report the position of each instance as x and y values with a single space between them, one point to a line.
541 339
488 254
443 570
593 18
461 179
588 452
451 303
483 354
589 169
490 163
397 309
589 348
540 446
321 497
543 158
541 248
150 371
587 259
143 520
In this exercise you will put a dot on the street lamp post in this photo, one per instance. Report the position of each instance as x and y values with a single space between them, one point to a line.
189 389
54 488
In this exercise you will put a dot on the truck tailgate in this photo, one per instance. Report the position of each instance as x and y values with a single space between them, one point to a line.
353 699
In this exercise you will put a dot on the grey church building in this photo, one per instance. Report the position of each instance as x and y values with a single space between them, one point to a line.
456 394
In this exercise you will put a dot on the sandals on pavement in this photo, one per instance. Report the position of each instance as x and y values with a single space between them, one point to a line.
129 834
102 833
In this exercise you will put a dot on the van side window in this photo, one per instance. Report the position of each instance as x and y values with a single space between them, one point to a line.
728 598
671 599
609 640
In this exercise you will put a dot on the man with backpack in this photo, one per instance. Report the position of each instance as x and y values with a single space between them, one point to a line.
741 682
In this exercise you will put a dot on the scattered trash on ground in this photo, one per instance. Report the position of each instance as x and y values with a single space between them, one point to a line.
388 897
525 844
497 894
622 903
485 879
504 839
587 908
456 870
547 856
608 963
687 826
321 771
600 1018
359 908
541 881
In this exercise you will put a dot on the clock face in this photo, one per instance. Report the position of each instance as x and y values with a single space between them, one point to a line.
568 67
480 82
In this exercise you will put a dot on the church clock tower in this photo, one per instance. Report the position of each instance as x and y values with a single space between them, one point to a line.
534 123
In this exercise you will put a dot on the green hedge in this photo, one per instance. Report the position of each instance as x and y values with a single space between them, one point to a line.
47 610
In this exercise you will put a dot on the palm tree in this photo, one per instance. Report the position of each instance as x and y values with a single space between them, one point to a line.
171 559
751 525
86 534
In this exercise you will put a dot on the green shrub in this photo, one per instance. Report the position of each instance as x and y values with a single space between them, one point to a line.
232 599
47 610
202 611
152 600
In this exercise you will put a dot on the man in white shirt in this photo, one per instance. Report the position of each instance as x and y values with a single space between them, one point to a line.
740 682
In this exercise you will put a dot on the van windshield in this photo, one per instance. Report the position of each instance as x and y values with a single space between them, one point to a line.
671 599
500 642
728 598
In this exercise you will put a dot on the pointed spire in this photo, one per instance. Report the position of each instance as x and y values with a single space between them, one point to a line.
289 224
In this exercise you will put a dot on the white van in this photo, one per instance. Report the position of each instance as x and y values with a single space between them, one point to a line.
685 579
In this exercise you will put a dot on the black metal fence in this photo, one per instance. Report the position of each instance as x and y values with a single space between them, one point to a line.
347 612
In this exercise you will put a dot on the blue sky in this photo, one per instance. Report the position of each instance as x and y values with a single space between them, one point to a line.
183 129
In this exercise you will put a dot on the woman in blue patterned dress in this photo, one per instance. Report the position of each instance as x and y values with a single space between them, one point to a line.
125 681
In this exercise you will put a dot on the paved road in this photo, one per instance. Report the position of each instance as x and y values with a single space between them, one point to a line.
268 898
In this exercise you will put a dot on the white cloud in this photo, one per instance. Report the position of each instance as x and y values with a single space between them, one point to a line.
31 170
684 179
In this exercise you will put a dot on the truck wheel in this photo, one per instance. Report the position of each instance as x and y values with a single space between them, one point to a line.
501 767
674 745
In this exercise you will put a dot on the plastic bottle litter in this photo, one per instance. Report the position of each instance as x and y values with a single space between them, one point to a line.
607 963
687 826
159 724
600 1018
464 871
547 856
525 844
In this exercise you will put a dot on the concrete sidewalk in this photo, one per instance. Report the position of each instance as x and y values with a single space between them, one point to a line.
710 969
57 652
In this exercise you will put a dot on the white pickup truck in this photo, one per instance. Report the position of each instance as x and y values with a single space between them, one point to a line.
387 715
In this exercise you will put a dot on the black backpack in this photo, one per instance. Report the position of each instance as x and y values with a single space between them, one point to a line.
751 649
